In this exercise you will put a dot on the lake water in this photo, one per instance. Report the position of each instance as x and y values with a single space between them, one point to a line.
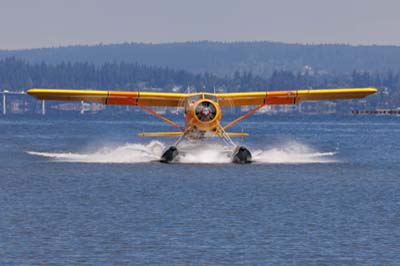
324 190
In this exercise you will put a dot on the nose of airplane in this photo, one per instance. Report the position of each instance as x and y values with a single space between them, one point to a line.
206 111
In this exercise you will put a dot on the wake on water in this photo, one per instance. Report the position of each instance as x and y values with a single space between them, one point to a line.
287 153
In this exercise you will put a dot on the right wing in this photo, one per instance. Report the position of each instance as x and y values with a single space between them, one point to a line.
111 97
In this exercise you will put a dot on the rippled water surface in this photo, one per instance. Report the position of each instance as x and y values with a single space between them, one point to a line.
324 190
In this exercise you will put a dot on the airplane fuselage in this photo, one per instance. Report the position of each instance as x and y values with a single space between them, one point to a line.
202 116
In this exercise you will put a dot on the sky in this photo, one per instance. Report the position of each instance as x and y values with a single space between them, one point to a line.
53 23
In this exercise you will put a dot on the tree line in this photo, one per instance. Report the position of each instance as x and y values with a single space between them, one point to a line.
18 74
223 58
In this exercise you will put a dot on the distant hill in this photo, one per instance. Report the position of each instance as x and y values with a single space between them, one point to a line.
261 58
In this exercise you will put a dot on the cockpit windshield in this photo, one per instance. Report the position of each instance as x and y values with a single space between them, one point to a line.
210 97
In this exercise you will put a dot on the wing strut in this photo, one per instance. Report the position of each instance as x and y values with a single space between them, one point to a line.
243 116
161 117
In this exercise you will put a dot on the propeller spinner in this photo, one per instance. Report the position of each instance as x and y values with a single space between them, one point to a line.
205 111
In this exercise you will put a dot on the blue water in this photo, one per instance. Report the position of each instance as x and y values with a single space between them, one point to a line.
325 190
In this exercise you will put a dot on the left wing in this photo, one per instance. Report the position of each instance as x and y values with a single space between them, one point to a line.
111 97
291 97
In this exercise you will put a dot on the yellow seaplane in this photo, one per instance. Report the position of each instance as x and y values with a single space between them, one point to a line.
202 110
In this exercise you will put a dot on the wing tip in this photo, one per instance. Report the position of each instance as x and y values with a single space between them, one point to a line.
33 92
372 90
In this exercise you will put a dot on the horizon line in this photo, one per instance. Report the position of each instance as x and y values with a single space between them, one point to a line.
190 41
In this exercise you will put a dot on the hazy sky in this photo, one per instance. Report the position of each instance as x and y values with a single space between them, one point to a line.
46 23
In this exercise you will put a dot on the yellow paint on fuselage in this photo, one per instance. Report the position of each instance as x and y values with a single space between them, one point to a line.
194 123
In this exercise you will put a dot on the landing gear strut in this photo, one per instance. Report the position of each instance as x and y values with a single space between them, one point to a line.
241 154
172 152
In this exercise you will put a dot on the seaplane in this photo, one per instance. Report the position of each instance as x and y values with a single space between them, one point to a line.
202 110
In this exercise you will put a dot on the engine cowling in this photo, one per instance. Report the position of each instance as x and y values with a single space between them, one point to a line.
205 111
204 115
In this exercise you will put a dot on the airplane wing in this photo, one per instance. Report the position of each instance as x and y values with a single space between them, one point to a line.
291 97
111 97
177 99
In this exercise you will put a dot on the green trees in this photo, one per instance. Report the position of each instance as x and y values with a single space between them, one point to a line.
223 58
17 74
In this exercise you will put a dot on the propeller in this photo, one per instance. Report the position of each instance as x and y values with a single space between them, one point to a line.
206 111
